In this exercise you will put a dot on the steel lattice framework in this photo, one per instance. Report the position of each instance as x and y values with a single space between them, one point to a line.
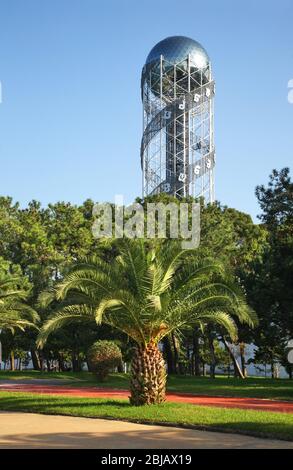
177 148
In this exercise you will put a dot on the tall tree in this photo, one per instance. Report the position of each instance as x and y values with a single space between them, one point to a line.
269 284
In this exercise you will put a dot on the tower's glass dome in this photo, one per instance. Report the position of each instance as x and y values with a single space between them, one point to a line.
175 49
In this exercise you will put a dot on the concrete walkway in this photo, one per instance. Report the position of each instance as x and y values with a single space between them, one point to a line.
28 430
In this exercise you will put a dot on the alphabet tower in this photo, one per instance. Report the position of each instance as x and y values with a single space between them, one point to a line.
177 148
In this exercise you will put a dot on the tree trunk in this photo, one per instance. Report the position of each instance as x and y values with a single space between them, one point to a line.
12 362
89 366
169 356
195 354
237 368
35 359
76 364
61 364
148 376
242 358
176 355
213 357
274 370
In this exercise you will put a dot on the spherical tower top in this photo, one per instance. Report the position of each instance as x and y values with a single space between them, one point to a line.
185 55
176 49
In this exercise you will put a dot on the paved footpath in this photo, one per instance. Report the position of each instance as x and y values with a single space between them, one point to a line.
94 392
29 431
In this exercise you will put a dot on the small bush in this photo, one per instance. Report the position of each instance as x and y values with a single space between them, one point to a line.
102 357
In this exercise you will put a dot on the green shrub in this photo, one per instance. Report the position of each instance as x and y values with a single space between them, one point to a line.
102 357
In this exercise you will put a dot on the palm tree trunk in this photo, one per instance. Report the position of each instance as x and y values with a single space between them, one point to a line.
148 376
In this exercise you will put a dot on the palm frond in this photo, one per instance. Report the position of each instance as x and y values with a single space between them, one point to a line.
148 291
65 316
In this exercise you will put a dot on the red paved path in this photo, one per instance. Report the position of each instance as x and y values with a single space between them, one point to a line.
91 392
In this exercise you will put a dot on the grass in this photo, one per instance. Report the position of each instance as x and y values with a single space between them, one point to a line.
254 387
256 423
84 377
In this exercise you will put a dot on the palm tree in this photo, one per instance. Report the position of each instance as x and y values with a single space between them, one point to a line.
14 312
148 292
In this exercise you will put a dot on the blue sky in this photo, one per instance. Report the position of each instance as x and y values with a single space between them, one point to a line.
71 116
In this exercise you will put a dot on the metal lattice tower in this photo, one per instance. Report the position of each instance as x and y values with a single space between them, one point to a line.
177 148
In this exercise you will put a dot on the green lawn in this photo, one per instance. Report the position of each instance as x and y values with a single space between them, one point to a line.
84 377
278 389
281 389
257 423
